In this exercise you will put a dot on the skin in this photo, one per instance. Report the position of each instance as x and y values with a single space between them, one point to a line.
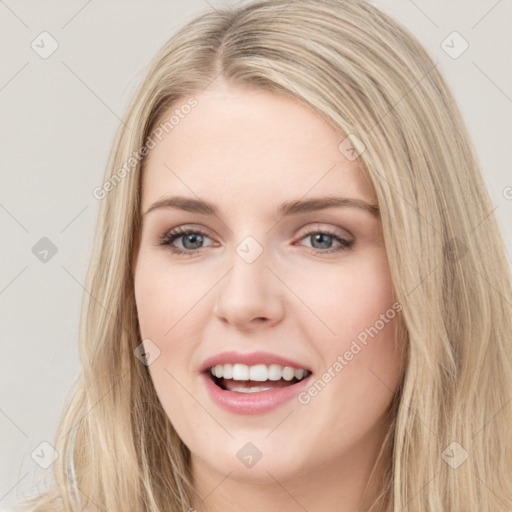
248 150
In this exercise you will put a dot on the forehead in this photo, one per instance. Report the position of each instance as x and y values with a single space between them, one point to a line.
244 145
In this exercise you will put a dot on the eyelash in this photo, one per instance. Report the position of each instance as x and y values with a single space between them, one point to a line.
168 238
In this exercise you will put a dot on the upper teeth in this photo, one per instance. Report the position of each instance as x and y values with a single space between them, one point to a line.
259 372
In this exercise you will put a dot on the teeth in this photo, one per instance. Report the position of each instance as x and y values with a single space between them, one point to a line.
258 372
275 372
288 373
227 371
240 372
299 374
254 389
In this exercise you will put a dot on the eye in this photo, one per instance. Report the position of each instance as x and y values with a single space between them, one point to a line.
323 239
191 240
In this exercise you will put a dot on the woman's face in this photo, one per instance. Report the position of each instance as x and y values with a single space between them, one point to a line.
273 277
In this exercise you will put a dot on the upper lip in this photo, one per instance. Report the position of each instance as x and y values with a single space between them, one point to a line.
250 359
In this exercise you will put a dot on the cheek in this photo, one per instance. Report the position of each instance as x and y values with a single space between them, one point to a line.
168 308
356 336
348 298
164 295
368 295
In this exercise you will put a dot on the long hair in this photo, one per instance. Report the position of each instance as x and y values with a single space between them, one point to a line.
371 80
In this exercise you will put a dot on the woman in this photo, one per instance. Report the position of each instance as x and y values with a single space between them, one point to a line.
272 149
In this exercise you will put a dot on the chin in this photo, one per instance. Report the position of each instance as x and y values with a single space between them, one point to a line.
258 462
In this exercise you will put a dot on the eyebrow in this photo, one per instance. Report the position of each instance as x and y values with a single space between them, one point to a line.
287 208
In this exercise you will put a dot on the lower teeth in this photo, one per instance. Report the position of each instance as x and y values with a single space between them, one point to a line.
250 390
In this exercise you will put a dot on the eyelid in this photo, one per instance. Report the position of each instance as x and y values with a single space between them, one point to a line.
180 231
319 226
168 238
316 226
185 228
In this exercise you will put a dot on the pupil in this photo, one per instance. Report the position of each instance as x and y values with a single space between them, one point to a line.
193 238
318 238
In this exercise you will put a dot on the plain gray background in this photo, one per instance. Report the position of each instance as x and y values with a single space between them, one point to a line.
58 119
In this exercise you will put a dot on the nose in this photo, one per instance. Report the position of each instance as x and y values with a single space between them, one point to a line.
249 295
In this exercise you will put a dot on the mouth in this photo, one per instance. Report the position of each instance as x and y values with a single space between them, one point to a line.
241 378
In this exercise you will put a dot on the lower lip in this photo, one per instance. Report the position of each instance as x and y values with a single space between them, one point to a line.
252 403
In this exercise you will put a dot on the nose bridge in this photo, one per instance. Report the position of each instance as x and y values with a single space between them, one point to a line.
249 291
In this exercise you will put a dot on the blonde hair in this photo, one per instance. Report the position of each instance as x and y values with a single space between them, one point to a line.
369 78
